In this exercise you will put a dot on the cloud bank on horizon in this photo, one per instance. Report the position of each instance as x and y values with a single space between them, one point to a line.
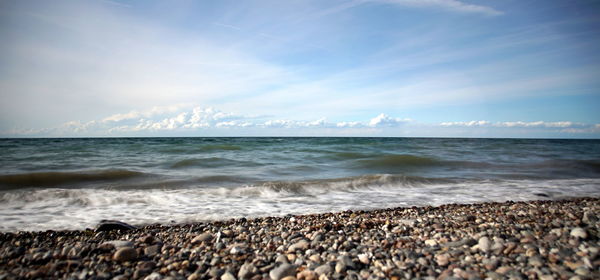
300 68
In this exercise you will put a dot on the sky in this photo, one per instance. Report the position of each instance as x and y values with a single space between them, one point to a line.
409 68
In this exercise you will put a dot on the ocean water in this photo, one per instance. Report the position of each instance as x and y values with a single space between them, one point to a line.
73 183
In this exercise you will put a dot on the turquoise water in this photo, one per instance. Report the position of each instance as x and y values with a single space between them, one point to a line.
73 183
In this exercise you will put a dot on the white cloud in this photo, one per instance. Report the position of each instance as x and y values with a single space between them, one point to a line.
208 120
471 123
156 110
349 124
541 124
562 126
382 120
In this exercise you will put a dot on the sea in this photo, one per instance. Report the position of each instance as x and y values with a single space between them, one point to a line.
72 184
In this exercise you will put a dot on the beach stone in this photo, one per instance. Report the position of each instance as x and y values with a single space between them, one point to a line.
300 245
227 276
152 250
589 218
119 243
484 244
282 271
363 258
237 250
346 261
125 254
504 270
315 258
194 276
442 259
535 261
579 233
204 237
154 276
431 242
465 241
247 270
216 272
307 275
147 239
108 225
324 269
490 264
582 271
281 259
494 276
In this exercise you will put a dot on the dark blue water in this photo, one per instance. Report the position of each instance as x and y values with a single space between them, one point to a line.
73 183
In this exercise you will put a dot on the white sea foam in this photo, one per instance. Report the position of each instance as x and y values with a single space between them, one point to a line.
44 209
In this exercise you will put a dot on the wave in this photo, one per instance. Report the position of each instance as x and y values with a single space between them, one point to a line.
211 162
198 149
569 164
49 179
400 160
343 184
81 208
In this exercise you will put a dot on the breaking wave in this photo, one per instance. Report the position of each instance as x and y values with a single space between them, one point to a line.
49 179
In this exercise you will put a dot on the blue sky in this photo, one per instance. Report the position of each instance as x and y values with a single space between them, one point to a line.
300 68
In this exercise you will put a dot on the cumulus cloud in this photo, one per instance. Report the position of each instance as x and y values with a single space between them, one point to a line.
349 124
561 127
383 120
156 110
173 120
471 123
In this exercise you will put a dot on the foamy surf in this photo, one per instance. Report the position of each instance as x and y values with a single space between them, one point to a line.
45 209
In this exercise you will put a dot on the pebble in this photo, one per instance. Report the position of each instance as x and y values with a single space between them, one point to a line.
442 260
283 270
582 271
154 276
110 225
300 245
204 237
125 254
363 258
579 233
324 269
535 261
247 270
151 250
346 261
227 276
431 242
119 243
504 270
525 240
315 258
484 244
307 275
237 250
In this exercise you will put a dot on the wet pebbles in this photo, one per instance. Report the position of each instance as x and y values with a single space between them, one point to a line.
512 240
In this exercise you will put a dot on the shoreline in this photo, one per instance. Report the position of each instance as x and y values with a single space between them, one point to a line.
556 239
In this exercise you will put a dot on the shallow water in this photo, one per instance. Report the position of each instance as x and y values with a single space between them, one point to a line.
74 183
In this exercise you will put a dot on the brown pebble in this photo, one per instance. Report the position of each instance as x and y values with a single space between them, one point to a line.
125 254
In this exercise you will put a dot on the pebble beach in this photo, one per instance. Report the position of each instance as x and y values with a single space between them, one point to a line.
508 240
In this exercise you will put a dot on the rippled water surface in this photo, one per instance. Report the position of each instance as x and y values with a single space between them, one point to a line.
73 183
